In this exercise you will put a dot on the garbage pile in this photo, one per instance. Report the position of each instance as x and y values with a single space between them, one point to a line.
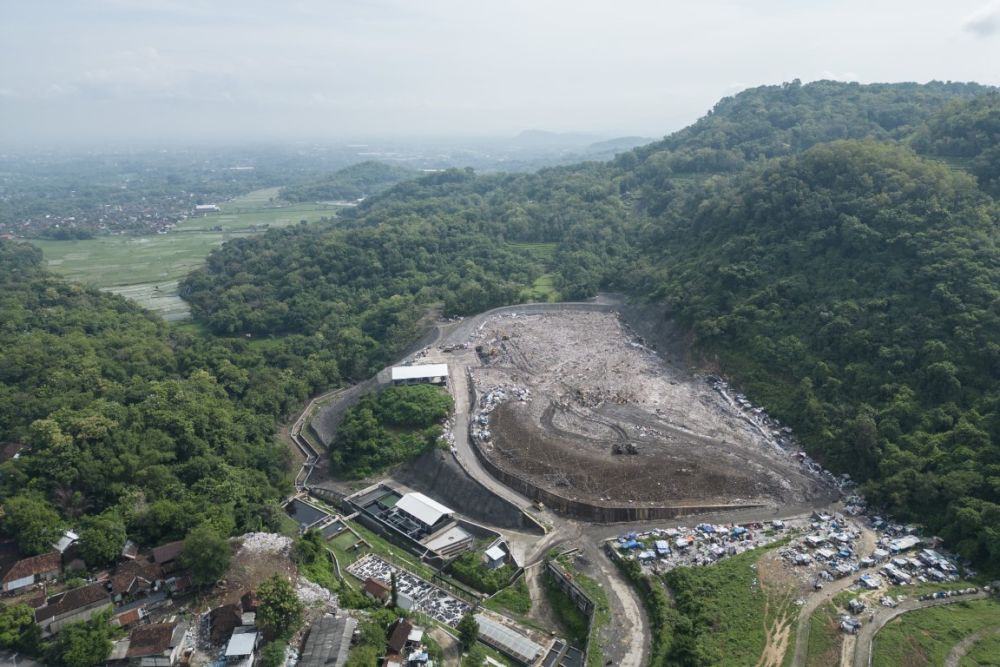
940 595
663 549
489 401
775 432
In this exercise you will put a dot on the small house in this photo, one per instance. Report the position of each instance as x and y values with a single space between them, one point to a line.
241 646
376 589
166 556
78 604
32 570
156 645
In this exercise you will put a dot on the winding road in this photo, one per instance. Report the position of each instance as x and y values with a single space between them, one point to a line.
865 638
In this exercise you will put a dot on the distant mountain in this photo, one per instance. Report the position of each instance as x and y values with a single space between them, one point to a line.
617 144
545 139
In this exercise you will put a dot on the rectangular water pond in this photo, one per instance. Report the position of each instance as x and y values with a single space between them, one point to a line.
305 515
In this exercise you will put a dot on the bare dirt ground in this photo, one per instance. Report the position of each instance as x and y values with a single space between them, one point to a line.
782 588
588 412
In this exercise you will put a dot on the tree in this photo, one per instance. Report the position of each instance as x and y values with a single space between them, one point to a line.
394 586
280 612
476 657
273 655
468 630
17 628
33 524
101 538
206 554
82 644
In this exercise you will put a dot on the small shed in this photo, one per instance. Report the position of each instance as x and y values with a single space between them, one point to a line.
496 557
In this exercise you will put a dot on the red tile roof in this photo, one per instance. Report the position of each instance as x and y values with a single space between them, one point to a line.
130 617
168 552
134 575
150 640
78 598
42 564
400 632
376 588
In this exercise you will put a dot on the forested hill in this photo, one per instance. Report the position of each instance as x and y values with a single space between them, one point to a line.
854 290
851 287
967 133
129 427
359 180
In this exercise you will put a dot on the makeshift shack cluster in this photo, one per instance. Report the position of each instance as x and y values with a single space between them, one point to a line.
667 548
829 546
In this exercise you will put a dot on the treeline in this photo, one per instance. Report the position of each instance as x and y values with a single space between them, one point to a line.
387 428
126 426
354 182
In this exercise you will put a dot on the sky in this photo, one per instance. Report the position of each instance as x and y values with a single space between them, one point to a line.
121 71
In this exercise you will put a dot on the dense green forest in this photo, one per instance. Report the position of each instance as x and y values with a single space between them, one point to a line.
354 182
149 429
848 283
389 427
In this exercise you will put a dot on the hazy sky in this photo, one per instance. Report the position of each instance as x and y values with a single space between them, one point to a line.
326 69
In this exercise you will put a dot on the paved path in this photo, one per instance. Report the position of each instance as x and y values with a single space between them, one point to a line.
863 649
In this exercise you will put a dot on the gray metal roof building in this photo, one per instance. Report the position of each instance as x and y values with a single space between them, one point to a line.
329 642
508 641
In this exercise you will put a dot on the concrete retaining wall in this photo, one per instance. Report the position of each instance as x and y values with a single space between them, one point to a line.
440 477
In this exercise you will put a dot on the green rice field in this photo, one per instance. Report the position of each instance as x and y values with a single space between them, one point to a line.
146 269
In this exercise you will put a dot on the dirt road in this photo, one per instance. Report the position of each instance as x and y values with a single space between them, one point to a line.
819 598
863 648
959 650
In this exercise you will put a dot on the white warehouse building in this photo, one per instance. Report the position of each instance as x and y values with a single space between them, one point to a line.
421 374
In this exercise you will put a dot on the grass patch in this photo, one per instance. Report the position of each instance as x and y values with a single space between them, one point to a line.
341 546
825 638
985 652
515 598
925 636
723 612
543 289
572 621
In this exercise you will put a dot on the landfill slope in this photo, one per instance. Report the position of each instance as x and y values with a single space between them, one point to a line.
574 402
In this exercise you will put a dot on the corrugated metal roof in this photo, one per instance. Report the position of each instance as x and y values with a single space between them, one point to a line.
419 372
422 508
507 640
329 642
496 553
241 644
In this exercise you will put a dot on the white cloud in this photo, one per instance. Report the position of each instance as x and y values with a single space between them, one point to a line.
985 22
